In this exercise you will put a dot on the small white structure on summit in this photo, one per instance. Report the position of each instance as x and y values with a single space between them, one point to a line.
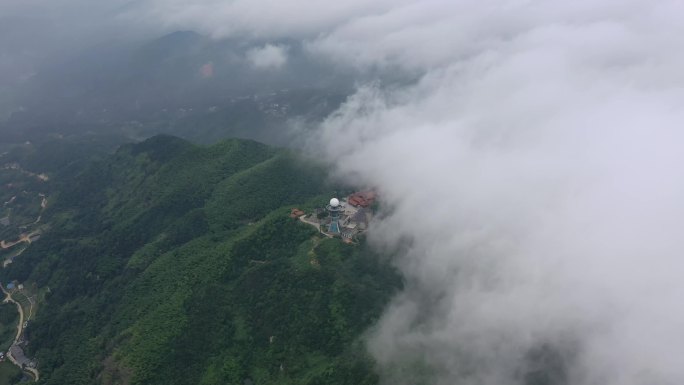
346 218
334 208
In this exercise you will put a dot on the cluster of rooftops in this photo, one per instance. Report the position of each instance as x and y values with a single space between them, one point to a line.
361 199
345 218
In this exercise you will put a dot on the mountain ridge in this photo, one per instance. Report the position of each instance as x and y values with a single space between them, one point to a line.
174 263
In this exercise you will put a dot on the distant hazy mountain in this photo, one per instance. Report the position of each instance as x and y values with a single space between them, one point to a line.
164 85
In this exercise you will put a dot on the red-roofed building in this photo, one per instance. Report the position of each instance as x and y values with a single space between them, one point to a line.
361 198
296 213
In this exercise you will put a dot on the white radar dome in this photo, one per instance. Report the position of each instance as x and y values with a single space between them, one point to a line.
334 202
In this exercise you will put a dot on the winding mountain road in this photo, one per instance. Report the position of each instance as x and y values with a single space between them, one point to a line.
20 329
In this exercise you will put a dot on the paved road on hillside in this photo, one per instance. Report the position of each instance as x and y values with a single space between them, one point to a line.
20 329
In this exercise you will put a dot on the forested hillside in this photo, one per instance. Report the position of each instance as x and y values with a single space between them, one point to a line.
172 263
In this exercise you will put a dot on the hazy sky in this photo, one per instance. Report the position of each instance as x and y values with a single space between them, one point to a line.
533 174
32 32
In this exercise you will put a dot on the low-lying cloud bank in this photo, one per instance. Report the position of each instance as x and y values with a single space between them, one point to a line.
535 188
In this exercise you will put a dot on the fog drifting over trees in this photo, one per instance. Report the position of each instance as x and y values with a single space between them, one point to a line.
531 174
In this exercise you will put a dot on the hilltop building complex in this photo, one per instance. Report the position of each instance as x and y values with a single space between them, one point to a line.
345 218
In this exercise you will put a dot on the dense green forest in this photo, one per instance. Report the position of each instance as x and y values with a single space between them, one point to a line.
171 263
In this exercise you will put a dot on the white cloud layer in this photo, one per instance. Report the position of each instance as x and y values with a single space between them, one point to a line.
534 179
260 18
268 57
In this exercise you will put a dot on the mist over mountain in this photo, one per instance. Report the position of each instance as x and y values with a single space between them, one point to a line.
181 83
526 154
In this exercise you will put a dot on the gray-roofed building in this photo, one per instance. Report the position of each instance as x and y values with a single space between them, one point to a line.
361 218
18 354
